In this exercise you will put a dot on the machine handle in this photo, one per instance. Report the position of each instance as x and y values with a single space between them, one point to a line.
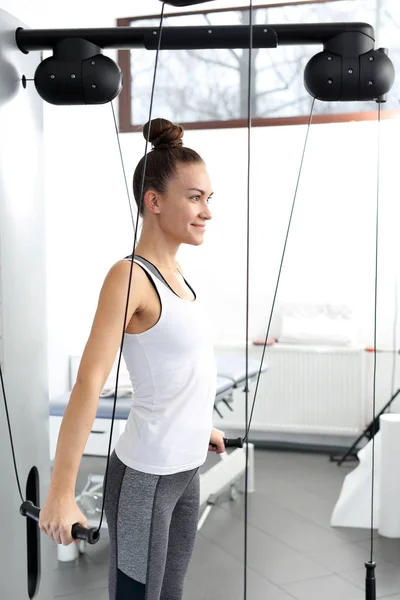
90 535
370 581
231 443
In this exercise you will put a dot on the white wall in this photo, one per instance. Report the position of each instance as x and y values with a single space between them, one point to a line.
330 256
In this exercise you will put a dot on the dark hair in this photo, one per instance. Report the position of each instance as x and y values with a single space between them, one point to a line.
163 159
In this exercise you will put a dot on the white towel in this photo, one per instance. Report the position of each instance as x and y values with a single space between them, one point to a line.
123 391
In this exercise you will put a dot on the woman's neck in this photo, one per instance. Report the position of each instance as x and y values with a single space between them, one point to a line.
162 256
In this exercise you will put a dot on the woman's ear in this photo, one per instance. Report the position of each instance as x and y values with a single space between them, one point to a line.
152 202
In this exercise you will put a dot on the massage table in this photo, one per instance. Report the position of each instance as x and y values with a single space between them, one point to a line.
225 387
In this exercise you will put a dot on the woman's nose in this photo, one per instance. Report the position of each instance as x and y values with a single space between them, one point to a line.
206 213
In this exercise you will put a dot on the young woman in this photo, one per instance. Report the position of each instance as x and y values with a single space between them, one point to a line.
152 494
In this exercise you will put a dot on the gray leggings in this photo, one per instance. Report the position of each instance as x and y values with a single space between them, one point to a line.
152 522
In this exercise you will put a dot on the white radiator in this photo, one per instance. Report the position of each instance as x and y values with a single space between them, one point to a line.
306 390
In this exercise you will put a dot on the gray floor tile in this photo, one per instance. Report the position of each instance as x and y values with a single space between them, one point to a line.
387 548
313 507
306 484
266 555
98 553
314 510
351 534
290 528
387 579
100 594
346 558
287 467
80 578
221 576
84 562
325 588
293 553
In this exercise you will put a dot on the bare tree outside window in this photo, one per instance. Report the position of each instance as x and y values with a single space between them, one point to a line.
204 88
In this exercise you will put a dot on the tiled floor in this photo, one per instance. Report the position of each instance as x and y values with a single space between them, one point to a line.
293 553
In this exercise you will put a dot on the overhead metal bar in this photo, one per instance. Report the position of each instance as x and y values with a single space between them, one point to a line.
185 38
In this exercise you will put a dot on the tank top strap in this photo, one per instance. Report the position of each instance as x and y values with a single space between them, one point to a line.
152 274
155 276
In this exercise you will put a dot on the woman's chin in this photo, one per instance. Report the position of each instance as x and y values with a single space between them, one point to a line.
194 240
197 241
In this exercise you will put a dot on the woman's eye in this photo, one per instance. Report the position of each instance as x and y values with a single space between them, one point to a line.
195 197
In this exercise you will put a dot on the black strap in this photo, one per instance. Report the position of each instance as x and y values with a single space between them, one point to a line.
156 273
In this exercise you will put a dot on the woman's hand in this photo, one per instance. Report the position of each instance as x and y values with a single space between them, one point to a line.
217 441
57 516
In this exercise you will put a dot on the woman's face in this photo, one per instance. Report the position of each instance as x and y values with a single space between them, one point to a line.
184 209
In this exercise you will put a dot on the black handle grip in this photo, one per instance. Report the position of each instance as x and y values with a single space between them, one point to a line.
370 581
90 535
231 443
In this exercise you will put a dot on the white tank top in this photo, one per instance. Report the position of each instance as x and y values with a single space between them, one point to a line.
173 373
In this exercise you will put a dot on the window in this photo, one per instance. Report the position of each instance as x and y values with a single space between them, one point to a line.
208 88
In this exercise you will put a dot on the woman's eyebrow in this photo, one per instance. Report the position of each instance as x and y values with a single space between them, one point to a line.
199 190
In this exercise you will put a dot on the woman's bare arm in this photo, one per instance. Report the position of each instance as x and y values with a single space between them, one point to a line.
96 363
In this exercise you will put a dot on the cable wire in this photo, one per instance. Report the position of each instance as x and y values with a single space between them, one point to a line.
246 477
10 433
375 334
280 267
133 252
123 168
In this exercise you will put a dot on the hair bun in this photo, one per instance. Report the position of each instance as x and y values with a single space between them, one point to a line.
163 134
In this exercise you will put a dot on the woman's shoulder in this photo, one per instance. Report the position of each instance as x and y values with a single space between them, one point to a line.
124 265
119 274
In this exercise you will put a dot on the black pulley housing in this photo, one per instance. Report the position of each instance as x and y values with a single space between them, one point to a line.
78 73
331 77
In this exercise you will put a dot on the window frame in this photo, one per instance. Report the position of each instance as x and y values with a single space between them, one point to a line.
124 99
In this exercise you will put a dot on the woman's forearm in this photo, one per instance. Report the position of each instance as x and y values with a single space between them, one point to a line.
74 432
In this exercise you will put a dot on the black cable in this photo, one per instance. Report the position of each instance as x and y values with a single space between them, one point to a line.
375 335
133 254
370 581
123 166
280 268
246 476
10 433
